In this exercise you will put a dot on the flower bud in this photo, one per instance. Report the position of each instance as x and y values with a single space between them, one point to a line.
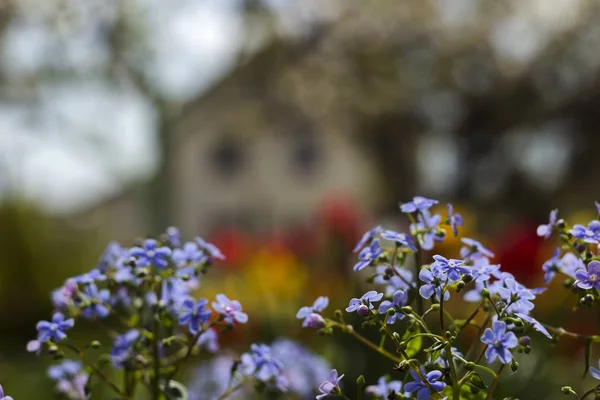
363 310
315 321
460 286
467 278
435 307
95 344
561 224
527 349
407 310
470 366
567 390
485 293
338 315
524 340
360 381
514 366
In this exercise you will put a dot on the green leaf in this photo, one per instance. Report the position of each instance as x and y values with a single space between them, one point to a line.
415 344
476 381
588 355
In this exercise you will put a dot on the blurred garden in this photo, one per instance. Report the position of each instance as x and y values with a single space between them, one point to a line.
281 132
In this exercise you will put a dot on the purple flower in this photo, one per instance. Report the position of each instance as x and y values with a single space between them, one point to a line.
189 254
63 296
70 380
174 236
209 340
418 203
113 255
303 369
454 220
425 230
474 249
551 266
591 234
151 254
545 230
364 304
331 385
516 296
34 346
453 268
435 280
314 321
122 349
90 277
95 302
172 294
442 361
2 396
499 342
535 324
210 249
385 389
399 238
64 370
366 238
595 372
570 263
590 278
260 363
54 330
395 279
399 300
306 312
368 255
423 392
193 314
482 270
230 310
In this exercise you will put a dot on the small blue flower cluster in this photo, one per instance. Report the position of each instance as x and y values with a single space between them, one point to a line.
146 291
143 295
301 372
426 348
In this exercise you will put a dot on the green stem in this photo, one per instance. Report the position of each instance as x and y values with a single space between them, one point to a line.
231 390
349 329
591 391
98 373
479 333
421 321
404 354
494 383
455 386
470 318
437 338
420 307
155 351
477 366
562 332
443 330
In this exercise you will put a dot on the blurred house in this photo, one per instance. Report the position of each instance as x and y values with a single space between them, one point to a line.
244 155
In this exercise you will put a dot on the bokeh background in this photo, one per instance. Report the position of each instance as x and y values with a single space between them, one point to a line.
280 131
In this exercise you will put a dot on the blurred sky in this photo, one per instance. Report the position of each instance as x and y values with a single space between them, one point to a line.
45 150
194 44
